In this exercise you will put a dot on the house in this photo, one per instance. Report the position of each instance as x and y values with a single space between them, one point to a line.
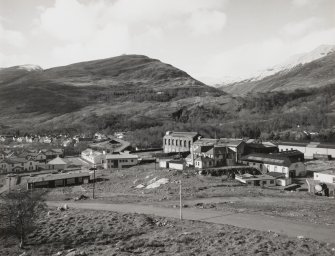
58 180
16 165
92 156
204 162
256 180
289 162
35 156
310 149
57 164
120 160
164 162
179 141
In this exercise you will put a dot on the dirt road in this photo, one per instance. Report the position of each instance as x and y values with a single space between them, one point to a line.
252 221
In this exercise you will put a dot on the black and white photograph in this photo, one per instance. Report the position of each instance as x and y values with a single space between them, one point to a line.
167 127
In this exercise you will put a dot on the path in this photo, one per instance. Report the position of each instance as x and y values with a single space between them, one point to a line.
243 220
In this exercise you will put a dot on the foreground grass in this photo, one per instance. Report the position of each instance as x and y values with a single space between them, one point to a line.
108 233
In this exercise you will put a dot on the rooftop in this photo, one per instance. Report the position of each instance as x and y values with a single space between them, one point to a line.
329 171
50 177
121 156
307 144
183 134
56 161
255 177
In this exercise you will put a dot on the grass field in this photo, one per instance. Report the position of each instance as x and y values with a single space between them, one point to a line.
85 232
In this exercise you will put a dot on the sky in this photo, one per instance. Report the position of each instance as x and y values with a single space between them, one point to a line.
212 40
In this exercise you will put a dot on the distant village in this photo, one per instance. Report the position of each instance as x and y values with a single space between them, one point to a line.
43 161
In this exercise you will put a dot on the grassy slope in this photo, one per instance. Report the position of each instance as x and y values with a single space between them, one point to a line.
76 91
108 233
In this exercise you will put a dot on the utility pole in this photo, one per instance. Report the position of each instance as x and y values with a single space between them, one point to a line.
180 204
93 169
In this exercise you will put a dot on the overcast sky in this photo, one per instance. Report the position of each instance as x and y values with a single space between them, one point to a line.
209 39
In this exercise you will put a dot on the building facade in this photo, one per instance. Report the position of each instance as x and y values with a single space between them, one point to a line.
289 163
179 141
120 160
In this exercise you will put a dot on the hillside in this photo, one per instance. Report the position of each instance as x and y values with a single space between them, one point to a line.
315 74
133 86
145 97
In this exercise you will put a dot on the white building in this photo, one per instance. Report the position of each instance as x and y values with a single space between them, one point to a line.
93 157
309 149
288 163
120 160
327 176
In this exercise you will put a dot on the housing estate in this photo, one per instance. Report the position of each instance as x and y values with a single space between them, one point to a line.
289 163
17 165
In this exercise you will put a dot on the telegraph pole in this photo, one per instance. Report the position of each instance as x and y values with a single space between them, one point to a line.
180 204
93 169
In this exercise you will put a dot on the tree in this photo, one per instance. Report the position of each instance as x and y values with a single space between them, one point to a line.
19 211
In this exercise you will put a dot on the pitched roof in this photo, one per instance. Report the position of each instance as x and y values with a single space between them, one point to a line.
267 159
230 142
56 161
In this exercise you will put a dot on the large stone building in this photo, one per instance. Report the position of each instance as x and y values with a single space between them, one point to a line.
179 141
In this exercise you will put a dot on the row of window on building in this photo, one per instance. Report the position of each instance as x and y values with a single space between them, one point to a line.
178 142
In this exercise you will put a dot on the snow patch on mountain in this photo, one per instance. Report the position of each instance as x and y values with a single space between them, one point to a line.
295 60
30 67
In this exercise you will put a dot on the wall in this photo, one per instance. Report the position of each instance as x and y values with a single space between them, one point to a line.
122 163
324 177
176 144
176 166
299 168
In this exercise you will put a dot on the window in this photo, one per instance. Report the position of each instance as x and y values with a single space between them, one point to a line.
169 142
189 144
172 142
164 141
185 143
272 182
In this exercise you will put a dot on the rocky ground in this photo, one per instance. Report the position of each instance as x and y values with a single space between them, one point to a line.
84 232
